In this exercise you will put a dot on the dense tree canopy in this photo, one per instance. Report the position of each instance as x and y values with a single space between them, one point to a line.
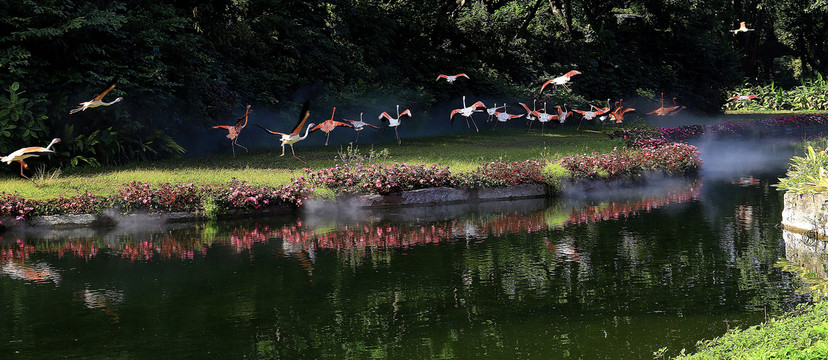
188 64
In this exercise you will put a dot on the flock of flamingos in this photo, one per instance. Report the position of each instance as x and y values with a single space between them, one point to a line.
495 113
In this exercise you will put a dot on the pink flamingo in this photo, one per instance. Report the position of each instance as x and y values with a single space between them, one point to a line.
492 111
742 28
561 80
467 112
531 115
235 130
395 122
293 137
563 114
591 114
358 125
22 154
617 115
328 125
504 116
743 97
451 78
97 101
544 117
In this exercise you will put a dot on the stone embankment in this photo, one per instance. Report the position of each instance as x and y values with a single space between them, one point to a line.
428 196
806 214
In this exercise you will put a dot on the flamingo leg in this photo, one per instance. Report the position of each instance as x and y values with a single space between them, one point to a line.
475 125
399 142
357 137
294 154
579 123
233 147
239 145
283 149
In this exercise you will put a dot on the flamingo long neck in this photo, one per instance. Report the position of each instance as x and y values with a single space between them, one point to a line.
307 130
54 141
398 111
110 103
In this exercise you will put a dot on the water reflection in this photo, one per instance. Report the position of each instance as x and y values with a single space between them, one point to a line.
378 229
610 274
808 257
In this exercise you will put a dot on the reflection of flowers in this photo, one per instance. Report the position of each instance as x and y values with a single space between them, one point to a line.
616 210
300 236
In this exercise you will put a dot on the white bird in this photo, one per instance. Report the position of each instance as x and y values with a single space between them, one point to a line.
451 78
562 80
742 28
395 122
531 115
95 102
492 111
22 154
467 112
293 137
359 125
544 117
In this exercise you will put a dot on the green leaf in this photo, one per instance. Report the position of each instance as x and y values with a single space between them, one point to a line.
14 86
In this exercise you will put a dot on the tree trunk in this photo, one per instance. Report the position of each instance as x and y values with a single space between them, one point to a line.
528 19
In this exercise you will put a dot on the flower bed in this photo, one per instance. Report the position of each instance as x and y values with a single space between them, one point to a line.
643 154
669 158
136 195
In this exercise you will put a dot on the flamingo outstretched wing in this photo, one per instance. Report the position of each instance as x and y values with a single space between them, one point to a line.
303 116
101 95
406 112
268 130
385 117
478 104
546 83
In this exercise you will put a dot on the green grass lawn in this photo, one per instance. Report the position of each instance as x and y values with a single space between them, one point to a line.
265 167
802 334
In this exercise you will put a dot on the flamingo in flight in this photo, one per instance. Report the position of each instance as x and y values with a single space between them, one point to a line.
563 114
617 115
95 102
591 114
328 125
562 80
531 114
743 97
504 116
742 28
22 154
467 112
293 137
451 78
395 122
492 111
358 125
544 117
235 130
665 111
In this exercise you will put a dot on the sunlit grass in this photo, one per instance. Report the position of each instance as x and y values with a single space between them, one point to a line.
264 167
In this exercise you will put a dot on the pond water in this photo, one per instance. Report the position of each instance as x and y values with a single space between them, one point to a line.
604 274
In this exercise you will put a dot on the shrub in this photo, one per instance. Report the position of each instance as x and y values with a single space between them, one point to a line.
498 173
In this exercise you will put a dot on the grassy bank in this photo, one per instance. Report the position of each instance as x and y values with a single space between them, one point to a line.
264 167
801 334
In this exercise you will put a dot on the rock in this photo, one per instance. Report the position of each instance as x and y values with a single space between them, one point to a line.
806 213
